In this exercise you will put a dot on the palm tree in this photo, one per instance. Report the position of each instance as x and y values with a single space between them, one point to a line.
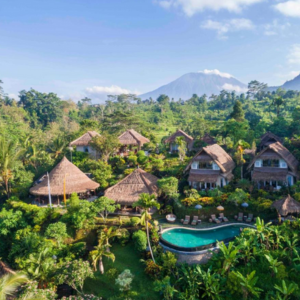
10 283
97 256
261 229
181 147
107 234
230 255
146 202
248 284
286 291
10 153
57 147
291 245
41 266
241 145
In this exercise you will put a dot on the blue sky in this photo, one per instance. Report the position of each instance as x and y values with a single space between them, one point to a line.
79 48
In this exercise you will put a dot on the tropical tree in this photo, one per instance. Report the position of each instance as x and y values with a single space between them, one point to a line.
229 255
107 234
239 155
96 256
146 202
286 291
181 147
10 153
10 283
105 206
274 263
238 113
248 284
261 228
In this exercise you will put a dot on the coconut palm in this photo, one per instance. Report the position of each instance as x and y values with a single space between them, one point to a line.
10 153
146 202
248 283
96 256
286 291
10 283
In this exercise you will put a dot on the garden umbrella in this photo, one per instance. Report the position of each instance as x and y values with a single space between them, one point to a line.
220 207
198 206
244 204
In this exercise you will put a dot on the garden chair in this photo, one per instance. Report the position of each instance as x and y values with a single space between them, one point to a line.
223 217
214 219
186 220
250 218
240 217
195 220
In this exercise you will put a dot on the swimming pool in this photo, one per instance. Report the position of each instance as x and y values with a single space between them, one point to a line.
190 240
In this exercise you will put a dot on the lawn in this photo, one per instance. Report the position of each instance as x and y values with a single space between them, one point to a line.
126 258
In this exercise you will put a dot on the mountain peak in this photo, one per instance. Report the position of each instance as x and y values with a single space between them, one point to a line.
202 82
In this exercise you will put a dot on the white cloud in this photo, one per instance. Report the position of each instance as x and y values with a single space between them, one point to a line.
231 87
275 28
294 55
289 8
191 7
283 77
228 26
216 72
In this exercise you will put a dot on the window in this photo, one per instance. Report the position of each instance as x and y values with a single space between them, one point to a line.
258 163
206 165
274 163
283 164
215 166
195 165
86 149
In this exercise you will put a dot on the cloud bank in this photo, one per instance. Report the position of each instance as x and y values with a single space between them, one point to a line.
216 72
289 8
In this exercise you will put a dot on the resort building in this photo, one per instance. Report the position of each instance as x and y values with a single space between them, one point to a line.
287 205
274 167
83 143
131 141
129 189
211 167
66 179
172 141
267 139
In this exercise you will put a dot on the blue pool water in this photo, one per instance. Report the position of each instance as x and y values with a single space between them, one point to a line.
188 238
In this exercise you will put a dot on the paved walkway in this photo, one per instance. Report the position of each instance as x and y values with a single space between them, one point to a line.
194 258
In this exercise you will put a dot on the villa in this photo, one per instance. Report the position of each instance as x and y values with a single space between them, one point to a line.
131 140
274 167
267 139
128 190
83 143
211 167
171 140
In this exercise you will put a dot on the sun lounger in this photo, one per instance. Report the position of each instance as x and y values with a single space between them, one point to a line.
195 220
250 218
223 217
240 217
186 220
214 219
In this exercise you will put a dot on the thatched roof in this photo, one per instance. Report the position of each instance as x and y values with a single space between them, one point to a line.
277 150
269 138
85 139
287 205
179 133
76 181
269 173
131 137
128 190
217 154
208 139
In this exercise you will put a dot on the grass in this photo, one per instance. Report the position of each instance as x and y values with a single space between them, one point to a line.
126 258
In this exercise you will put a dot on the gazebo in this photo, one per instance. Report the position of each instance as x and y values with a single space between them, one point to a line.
287 205
65 178
128 190
130 139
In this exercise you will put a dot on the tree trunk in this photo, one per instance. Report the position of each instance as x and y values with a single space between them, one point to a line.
148 238
101 266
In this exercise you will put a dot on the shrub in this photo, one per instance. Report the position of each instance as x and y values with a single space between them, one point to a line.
124 280
140 240
152 269
78 249
112 274
124 236
189 201
206 200
135 221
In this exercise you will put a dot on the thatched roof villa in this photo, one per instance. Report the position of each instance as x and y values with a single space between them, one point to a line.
287 205
75 181
274 166
171 140
128 190
269 138
83 143
131 138
212 166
